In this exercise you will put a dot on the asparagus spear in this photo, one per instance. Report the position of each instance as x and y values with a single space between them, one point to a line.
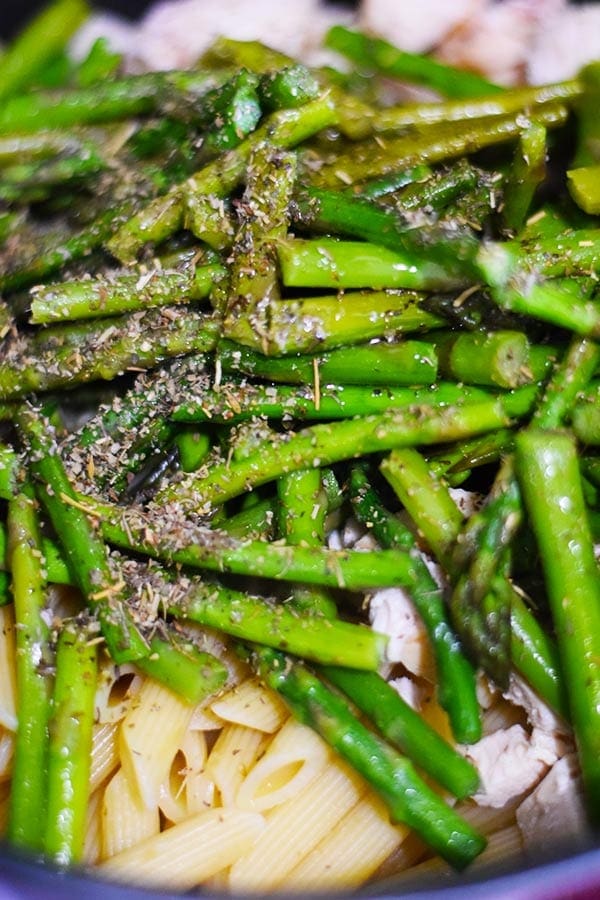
588 137
404 728
368 160
386 363
310 323
27 811
253 284
550 479
584 187
302 517
26 148
75 300
105 101
489 358
407 797
329 263
70 749
211 549
528 170
254 619
85 552
65 249
388 60
235 402
9 471
69 354
526 99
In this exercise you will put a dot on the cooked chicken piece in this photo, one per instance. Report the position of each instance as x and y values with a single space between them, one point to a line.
564 43
392 612
411 691
508 27
555 808
413 28
120 34
510 762
352 535
539 714
467 501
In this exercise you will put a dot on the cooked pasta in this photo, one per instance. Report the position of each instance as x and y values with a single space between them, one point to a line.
92 846
187 789
187 853
126 819
233 755
250 704
105 753
183 795
334 863
150 735
293 760
295 828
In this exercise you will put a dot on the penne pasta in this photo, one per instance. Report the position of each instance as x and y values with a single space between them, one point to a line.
105 753
187 789
335 863
295 828
253 705
234 753
200 790
126 820
117 687
186 854
150 734
293 759
92 846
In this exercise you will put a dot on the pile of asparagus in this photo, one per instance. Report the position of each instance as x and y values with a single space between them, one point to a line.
280 302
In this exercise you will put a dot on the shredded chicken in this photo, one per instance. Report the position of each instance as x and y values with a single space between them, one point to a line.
392 612
511 762
416 31
509 27
539 714
555 808
411 692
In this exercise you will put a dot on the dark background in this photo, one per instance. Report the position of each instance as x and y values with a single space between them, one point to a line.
14 14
